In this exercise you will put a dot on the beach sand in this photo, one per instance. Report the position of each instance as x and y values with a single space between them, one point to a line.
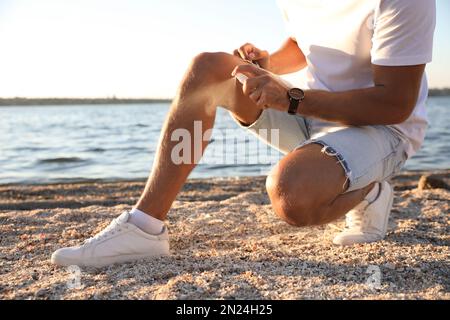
226 244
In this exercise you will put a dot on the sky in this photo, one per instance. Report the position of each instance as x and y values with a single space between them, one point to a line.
139 48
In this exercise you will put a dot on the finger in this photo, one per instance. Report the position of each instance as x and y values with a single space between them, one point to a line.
262 101
253 53
251 85
249 70
236 53
246 49
242 54
255 96
257 54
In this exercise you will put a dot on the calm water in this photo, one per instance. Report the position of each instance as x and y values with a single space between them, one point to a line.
67 143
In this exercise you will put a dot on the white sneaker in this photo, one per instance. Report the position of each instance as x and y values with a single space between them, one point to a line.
368 221
120 242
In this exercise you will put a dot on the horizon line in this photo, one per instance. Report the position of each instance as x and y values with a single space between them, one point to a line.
114 97
30 101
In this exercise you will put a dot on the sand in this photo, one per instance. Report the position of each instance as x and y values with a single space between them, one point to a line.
226 244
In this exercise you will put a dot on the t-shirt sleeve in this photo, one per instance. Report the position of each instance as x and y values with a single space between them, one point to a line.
403 32
284 12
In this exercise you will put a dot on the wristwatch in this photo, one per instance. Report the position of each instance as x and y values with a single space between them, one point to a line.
296 96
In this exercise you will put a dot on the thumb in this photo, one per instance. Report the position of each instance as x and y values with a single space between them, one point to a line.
257 54
248 70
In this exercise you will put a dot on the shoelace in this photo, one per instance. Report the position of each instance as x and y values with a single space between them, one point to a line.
111 229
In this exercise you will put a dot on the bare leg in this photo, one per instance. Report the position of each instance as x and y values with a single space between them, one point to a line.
306 188
206 85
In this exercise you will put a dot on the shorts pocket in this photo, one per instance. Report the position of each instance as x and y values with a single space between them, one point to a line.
393 164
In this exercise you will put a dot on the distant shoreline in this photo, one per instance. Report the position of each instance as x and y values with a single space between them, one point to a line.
444 92
75 101
19 101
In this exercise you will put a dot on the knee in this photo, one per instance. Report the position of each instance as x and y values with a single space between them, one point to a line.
202 61
204 67
291 201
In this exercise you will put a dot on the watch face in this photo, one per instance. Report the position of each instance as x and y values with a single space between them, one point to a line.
297 94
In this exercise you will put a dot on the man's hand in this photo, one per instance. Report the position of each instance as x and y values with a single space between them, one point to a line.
249 52
263 88
288 59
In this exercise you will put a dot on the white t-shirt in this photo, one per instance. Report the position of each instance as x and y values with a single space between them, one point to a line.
342 38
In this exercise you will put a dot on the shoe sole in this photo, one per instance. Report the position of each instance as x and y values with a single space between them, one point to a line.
108 261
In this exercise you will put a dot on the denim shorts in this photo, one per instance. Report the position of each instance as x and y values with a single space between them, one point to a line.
367 154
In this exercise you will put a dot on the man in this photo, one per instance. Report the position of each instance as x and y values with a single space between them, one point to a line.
359 118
